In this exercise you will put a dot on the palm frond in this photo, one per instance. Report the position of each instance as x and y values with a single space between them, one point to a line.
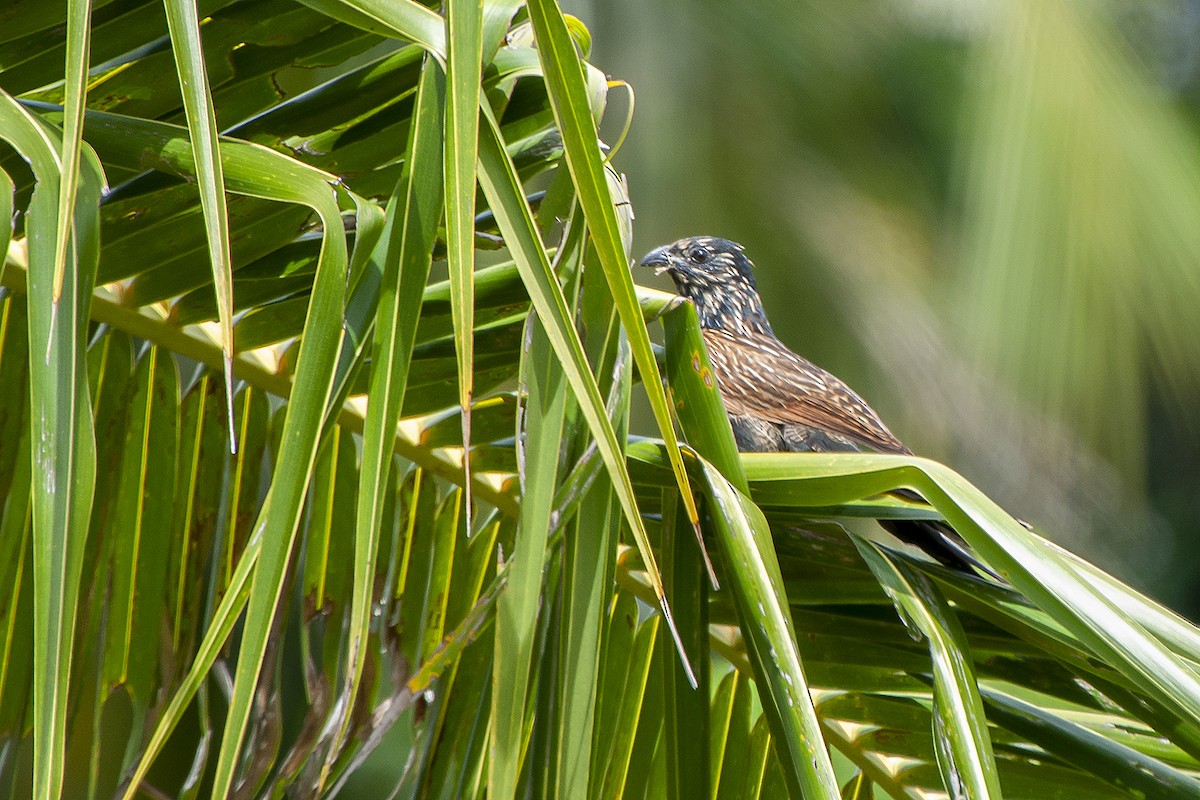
432 563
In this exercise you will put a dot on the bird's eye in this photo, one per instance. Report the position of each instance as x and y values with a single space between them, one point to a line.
698 255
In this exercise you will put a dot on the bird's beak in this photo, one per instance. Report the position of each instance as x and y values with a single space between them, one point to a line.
660 259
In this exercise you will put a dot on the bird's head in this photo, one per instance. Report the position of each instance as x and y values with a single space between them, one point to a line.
717 277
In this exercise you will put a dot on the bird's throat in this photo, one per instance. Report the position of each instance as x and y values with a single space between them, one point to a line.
734 310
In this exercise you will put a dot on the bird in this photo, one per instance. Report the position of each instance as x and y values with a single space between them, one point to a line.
777 400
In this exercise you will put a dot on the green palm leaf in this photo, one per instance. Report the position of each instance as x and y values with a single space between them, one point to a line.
432 565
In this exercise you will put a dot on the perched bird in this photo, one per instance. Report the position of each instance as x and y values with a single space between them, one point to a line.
776 400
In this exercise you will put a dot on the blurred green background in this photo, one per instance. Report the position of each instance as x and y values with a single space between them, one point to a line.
985 216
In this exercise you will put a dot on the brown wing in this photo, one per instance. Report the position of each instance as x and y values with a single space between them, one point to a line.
760 377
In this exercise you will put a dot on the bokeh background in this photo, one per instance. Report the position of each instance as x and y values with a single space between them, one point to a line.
985 216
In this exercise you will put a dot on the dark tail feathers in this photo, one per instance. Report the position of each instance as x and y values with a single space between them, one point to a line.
941 542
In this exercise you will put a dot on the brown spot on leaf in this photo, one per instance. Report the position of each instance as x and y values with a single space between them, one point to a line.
704 372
